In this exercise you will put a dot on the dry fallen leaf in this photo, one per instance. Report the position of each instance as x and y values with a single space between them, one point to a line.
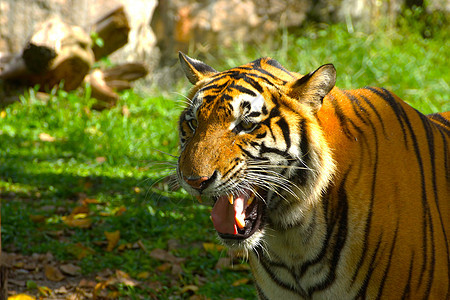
100 159
241 281
143 275
80 210
78 222
164 267
21 297
85 283
79 250
70 269
120 210
44 291
37 218
125 111
87 201
53 273
113 238
45 137
124 278
189 288
164 255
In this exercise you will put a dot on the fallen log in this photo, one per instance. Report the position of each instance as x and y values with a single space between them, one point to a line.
104 84
56 52
113 30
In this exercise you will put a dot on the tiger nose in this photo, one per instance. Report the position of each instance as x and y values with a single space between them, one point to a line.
200 182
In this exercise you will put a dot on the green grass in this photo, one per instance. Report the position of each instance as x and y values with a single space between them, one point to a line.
49 178
401 60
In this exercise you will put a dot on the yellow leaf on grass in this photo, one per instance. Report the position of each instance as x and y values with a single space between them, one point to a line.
79 222
211 247
37 218
125 279
80 210
113 238
87 201
119 211
53 273
45 137
80 251
241 281
189 288
3 114
143 275
21 297
44 291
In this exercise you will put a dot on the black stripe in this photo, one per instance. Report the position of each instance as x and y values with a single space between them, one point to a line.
407 289
261 135
257 62
267 264
376 113
439 118
214 88
371 204
254 83
325 245
285 130
426 218
226 97
277 65
358 109
396 107
264 150
340 236
261 78
341 117
386 270
242 89
254 114
363 289
261 295
306 156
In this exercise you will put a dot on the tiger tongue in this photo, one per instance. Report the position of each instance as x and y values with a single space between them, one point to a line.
228 215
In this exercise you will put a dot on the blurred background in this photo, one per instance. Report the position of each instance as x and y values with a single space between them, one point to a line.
90 93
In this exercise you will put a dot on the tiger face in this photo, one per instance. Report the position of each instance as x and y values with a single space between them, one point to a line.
251 146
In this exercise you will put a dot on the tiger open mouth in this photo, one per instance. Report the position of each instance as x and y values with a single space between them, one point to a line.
237 216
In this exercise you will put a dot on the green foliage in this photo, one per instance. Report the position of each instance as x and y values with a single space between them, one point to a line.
55 153
399 59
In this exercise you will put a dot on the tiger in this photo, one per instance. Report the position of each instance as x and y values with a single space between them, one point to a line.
331 193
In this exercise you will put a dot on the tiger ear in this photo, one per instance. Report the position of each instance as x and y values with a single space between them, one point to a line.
194 70
312 88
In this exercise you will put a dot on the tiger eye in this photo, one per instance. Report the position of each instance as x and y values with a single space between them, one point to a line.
193 123
246 125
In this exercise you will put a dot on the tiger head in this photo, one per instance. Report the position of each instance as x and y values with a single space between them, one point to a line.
251 142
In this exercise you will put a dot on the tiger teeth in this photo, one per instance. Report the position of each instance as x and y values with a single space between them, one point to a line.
240 221
231 199
250 200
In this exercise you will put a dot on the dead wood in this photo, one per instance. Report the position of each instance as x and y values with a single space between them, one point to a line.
113 29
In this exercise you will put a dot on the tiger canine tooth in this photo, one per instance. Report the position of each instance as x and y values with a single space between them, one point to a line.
240 220
250 200
230 199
